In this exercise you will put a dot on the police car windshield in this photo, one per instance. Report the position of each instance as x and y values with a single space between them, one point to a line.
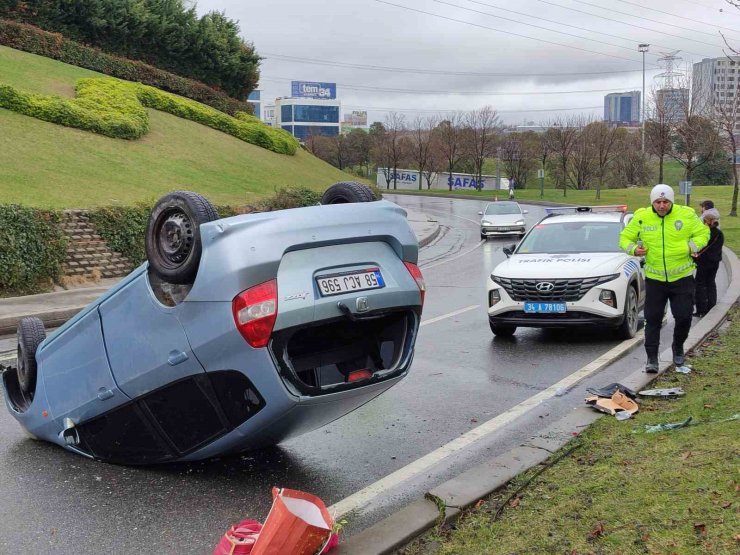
499 208
571 237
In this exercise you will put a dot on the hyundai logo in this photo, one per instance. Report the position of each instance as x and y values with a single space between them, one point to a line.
544 286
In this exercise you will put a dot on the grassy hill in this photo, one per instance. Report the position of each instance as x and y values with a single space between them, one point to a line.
48 165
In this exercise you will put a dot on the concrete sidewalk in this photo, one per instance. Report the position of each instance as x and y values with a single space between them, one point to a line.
56 308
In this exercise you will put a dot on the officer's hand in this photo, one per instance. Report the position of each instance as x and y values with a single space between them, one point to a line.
640 251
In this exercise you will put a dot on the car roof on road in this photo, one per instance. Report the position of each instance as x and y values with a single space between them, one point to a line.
584 217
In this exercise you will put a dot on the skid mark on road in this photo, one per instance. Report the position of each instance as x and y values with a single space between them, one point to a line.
422 465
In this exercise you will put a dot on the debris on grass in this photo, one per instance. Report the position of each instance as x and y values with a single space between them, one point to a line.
668 426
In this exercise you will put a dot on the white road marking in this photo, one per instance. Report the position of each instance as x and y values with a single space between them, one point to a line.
449 315
364 496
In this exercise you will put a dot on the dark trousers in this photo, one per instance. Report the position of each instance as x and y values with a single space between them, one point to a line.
706 288
681 296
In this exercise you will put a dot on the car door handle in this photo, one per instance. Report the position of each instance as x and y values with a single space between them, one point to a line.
176 357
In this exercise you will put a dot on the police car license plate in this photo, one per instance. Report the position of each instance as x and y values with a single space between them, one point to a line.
544 308
348 282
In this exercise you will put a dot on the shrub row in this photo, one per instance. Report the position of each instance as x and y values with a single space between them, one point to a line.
116 109
53 45
32 249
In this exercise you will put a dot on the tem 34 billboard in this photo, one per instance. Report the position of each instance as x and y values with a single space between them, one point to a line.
313 89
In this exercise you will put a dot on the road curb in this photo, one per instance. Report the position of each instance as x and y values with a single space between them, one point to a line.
466 489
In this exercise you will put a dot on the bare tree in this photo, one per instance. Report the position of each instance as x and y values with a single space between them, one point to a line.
694 138
395 125
381 152
583 166
630 163
484 125
421 138
520 153
449 135
561 137
605 141
359 144
658 131
340 150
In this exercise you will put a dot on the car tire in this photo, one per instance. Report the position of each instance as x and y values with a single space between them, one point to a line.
502 331
347 192
173 244
31 333
631 322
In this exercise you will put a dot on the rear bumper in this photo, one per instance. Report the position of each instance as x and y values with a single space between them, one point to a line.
523 319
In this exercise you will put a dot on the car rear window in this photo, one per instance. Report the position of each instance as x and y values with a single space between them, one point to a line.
572 237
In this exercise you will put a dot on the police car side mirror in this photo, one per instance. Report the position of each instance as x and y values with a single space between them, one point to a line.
508 251
480 213
642 263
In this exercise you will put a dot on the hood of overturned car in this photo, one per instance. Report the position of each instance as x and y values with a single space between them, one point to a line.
549 266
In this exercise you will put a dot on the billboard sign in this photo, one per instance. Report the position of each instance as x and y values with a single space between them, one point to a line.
312 89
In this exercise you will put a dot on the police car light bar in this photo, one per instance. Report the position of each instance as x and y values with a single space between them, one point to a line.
592 209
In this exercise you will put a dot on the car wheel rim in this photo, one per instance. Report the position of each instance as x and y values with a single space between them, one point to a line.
632 312
176 237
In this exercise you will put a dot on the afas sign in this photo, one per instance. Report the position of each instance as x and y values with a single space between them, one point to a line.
312 89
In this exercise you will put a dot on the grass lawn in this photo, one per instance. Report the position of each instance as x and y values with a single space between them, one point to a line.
634 198
625 491
48 165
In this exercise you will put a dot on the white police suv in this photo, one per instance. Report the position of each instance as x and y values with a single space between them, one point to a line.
569 271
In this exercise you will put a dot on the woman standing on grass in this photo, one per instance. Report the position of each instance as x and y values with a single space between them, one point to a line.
707 264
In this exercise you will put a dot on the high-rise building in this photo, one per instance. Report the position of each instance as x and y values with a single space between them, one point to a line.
622 108
715 82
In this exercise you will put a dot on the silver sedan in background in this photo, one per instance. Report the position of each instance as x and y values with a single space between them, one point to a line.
500 218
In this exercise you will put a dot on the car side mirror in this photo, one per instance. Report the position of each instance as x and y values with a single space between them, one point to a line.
642 263
508 251
480 213
525 211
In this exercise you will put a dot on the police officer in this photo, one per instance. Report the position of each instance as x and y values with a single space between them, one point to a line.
667 235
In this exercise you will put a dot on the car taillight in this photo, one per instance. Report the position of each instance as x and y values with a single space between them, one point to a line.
255 311
418 278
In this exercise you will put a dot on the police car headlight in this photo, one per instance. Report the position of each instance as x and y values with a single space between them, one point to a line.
519 222
486 222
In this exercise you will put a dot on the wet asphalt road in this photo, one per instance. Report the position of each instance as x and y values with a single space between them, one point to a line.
57 502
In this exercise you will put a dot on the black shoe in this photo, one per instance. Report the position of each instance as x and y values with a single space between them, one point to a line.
678 357
699 314
652 365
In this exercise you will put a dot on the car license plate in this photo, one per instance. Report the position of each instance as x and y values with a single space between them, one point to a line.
544 308
348 282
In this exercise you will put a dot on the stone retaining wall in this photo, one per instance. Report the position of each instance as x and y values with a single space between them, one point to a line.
88 255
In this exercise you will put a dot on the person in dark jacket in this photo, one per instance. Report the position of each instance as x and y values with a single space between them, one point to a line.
707 264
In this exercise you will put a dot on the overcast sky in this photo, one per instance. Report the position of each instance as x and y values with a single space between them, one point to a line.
464 54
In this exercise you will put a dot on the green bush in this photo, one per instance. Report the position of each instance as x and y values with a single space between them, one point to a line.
289 197
53 45
115 108
32 249
123 228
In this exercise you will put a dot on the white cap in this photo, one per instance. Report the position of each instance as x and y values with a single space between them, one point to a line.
661 191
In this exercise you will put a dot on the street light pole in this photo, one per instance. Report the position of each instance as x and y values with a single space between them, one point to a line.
643 48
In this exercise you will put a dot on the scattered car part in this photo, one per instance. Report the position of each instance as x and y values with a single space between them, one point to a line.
665 392
609 390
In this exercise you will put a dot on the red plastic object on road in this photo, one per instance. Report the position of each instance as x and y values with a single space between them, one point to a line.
298 523
239 539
